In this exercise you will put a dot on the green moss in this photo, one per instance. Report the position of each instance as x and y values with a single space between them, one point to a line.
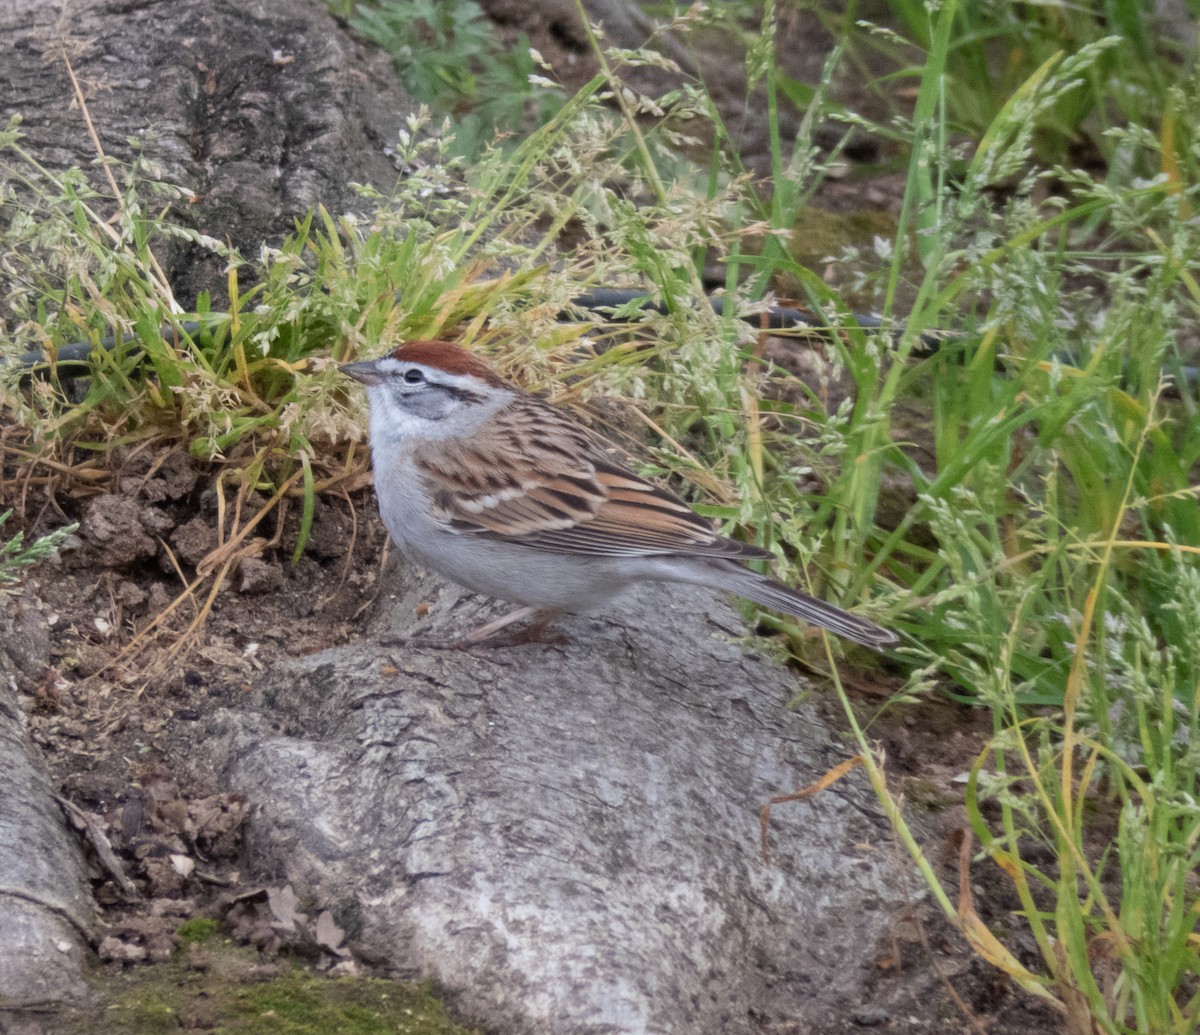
201 929
223 989
819 234
300 1003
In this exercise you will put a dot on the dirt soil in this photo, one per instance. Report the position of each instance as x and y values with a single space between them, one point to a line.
115 717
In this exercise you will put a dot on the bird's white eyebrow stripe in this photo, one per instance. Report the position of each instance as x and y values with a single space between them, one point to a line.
454 385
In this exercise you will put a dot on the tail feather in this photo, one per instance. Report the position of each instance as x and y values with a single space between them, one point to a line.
778 597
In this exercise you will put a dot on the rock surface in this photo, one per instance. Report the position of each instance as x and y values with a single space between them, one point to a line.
263 110
567 836
45 901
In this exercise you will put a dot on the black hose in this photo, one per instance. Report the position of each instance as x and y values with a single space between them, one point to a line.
77 353
776 318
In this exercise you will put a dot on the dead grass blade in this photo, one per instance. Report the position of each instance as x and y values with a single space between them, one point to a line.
828 779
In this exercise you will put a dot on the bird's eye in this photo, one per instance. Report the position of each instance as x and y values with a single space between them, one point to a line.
413 377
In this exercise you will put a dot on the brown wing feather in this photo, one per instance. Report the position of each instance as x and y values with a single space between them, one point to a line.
569 496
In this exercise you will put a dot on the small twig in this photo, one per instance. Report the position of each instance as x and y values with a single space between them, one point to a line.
213 878
160 277
102 847
349 561
382 567
91 128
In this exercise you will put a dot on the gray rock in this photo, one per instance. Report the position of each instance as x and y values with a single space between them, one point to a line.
262 110
45 905
567 836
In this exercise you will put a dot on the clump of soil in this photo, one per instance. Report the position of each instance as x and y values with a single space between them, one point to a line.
116 711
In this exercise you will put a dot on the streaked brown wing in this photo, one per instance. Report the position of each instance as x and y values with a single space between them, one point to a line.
568 496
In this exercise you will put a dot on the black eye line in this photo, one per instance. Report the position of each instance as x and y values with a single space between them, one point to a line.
421 381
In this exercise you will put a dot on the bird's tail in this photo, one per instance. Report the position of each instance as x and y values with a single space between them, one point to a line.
778 597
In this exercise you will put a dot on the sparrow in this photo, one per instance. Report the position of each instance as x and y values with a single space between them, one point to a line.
511 497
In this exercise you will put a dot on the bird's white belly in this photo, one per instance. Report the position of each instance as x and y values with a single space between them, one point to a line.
521 574
506 571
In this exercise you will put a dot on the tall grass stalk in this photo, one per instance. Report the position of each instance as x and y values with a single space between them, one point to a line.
1063 509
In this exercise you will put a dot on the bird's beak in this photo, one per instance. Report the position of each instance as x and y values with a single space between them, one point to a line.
367 372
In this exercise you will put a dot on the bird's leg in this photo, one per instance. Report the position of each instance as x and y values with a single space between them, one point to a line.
494 626
535 633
